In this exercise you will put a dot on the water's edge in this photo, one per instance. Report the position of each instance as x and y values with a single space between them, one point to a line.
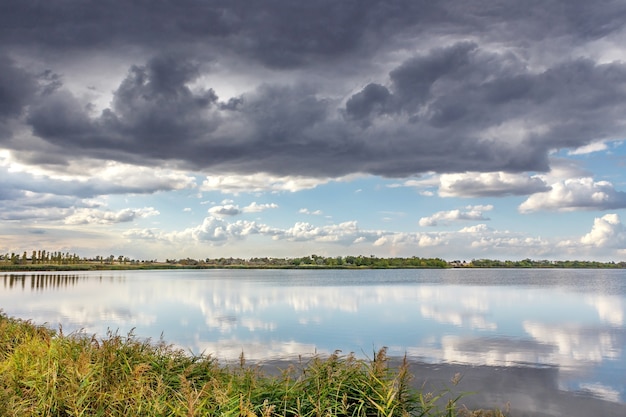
490 387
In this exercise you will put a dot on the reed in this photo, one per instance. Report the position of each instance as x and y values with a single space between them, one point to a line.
46 373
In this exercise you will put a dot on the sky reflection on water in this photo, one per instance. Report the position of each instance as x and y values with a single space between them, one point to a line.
569 320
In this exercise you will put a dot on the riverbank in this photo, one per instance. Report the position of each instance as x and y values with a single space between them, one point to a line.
58 261
96 266
44 372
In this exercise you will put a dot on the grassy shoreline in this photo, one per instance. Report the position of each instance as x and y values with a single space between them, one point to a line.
44 372
96 266
162 266
59 261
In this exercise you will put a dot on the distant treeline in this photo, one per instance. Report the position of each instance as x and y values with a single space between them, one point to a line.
529 263
41 259
396 262
359 261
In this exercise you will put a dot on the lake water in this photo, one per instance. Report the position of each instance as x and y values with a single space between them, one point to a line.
558 334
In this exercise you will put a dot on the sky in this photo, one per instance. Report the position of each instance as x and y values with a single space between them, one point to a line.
459 129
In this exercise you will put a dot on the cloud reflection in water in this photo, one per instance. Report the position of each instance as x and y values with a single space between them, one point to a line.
283 314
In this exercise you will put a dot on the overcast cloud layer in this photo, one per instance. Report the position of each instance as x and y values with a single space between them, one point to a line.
455 99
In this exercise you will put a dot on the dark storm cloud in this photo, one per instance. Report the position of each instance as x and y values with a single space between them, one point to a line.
374 98
287 33
17 88
153 111
278 33
77 24
443 111
60 117
462 92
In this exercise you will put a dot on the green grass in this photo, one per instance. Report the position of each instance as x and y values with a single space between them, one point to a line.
47 373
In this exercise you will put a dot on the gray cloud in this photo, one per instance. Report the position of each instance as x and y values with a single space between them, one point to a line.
123 180
225 210
153 112
97 216
60 117
276 33
447 106
489 184
282 33
449 87
374 98
472 213
17 88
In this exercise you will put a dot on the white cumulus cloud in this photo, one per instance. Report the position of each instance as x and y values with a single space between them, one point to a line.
592 147
219 231
607 231
576 194
472 213
307 211
487 184
479 228
256 208
225 210
96 216
235 184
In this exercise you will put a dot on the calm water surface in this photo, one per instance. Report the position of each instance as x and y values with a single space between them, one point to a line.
570 322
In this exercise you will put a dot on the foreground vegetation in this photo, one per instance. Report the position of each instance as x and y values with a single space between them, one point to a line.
45 373
42 260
